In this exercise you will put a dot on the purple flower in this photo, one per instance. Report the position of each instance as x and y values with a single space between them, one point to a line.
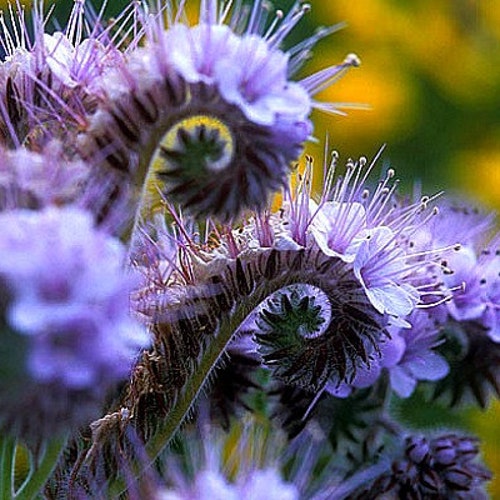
407 355
42 178
336 228
417 359
70 302
490 266
265 483
254 77
51 81
211 110
467 303
225 469
382 268
473 279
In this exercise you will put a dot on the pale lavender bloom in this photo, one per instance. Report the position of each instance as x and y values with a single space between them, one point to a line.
70 296
491 283
337 228
470 263
453 214
76 63
407 355
383 270
468 303
255 78
30 178
265 483
70 302
230 466
368 229
418 360
475 281
195 51
52 82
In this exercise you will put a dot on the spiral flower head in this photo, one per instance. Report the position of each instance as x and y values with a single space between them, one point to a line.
317 319
68 307
310 338
208 115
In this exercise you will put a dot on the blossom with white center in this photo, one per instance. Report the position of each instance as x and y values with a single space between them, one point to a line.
254 77
381 268
337 227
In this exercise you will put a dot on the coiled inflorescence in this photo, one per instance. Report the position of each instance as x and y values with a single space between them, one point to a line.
206 115
316 318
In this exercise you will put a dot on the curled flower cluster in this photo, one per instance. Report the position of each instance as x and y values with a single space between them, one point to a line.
318 319
208 114
68 310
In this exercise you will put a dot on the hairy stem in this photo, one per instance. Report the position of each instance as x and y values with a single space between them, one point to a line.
209 360
296 358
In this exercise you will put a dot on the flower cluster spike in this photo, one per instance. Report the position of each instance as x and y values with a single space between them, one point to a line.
442 467
207 114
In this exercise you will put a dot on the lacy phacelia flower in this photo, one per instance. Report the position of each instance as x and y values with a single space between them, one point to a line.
479 298
469 317
69 307
443 468
382 267
408 356
472 279
208 114
31 180
51 82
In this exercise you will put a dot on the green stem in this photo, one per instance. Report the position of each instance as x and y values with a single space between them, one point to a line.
209 360
41 474
7 464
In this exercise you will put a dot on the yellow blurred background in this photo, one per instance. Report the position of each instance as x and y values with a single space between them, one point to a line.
431 75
